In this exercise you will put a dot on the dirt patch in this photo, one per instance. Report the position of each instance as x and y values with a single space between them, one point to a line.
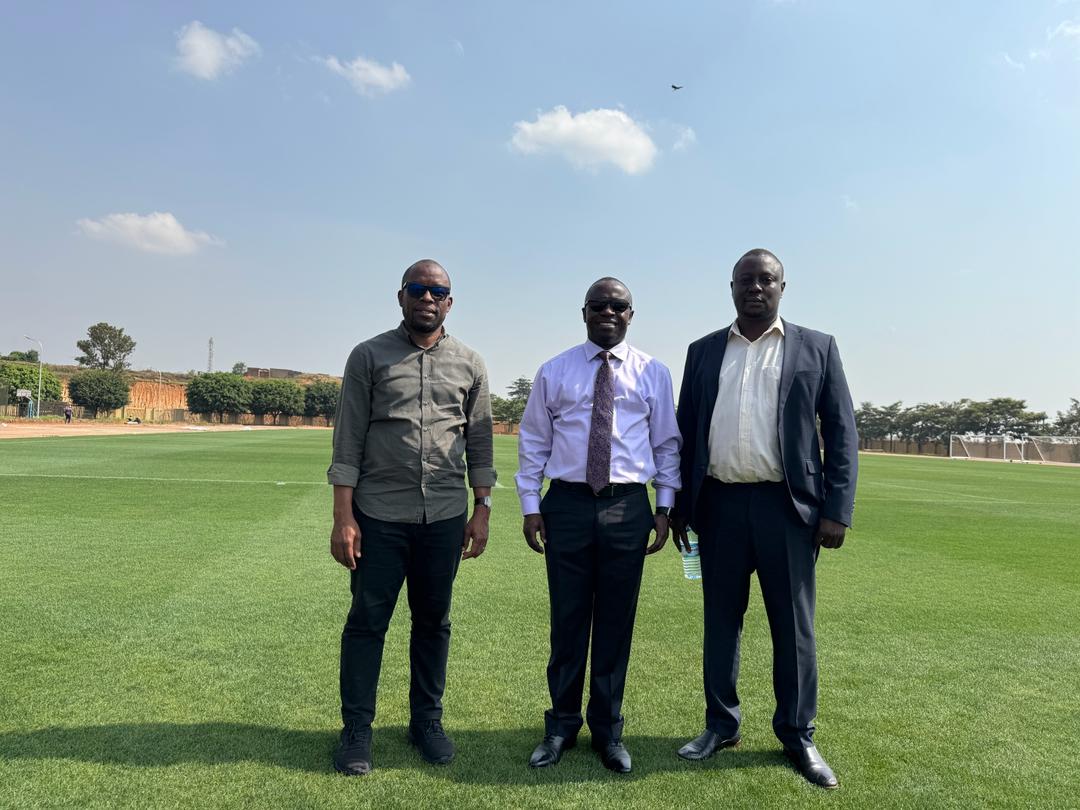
28 429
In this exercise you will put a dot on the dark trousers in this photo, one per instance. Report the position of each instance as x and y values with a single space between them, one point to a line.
595 552
745 528
426 555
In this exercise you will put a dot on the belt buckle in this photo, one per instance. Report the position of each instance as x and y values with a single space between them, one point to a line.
607 492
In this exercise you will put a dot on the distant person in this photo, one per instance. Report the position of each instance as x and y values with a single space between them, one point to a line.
414 418
760 497
67 414
600 423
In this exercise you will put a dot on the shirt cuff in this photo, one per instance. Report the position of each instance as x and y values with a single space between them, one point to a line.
482 476
665 496
530 504
343 475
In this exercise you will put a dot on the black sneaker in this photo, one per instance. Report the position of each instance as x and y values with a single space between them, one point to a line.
353 755
435 747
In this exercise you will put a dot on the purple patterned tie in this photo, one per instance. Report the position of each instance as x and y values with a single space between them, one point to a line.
598 466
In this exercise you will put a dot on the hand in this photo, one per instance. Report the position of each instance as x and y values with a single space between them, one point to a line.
661 522
533 527
830 534
477 531
680 535
345 542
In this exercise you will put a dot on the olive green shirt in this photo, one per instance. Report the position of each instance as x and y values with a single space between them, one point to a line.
410 423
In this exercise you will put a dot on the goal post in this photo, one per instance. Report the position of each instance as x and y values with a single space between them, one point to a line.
1003 447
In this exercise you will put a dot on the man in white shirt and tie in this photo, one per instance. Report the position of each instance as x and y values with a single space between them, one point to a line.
600 423
762 497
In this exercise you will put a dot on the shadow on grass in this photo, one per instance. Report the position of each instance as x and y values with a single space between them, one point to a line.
486 757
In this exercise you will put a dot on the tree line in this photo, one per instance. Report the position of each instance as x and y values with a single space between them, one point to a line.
224 392
935 422
102 385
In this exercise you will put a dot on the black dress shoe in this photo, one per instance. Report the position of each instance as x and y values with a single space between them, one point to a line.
812 766
353 755
550 750
706 744
614 756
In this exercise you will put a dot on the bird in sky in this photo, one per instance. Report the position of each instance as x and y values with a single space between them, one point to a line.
677 86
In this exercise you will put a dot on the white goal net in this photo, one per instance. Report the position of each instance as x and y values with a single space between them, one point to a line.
1038 449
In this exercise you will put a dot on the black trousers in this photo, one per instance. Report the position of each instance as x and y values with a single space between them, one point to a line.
426 555
595 552
745 528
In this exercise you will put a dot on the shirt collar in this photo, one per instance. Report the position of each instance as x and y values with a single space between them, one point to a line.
403 333
777 325
619 351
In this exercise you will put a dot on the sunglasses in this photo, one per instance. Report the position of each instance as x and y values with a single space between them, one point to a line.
416 290
618 307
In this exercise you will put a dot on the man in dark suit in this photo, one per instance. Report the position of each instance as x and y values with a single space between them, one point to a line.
761 497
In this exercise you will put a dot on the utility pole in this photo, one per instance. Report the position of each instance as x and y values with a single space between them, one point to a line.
41 351
210 358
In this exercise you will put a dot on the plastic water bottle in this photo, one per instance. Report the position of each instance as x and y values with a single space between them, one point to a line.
691 560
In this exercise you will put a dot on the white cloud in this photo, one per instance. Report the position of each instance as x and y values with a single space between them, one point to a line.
153 233
205 53
368 77
1069 29
850 204
459 48
686 138
588 139
1008 60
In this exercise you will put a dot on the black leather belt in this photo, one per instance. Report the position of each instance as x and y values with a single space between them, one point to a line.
610 491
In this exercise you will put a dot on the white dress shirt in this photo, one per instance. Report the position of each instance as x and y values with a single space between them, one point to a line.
554 431
744 442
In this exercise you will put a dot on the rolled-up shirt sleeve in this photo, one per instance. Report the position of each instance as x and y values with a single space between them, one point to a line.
352 420
664 437
479 444
534 446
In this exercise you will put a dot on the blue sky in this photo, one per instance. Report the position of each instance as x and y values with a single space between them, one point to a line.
915 165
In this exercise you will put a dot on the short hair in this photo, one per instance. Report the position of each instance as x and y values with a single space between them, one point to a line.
424 264
609 278
759 254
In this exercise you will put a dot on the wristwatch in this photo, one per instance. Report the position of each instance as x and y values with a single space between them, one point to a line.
664 510
483 501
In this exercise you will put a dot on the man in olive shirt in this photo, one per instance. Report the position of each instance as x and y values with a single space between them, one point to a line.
414 416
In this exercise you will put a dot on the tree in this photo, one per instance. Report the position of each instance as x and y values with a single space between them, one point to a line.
520 389
106 347
1068 421
99 390
239 368
321 399
277 397
17 375
219 392
512 407
507 410
30 356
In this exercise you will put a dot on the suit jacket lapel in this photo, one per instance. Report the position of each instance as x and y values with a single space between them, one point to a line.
714 361
793 340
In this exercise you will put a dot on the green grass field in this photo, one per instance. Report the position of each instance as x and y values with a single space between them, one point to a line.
170 614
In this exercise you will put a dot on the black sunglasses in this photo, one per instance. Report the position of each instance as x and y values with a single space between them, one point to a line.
617 307
416 290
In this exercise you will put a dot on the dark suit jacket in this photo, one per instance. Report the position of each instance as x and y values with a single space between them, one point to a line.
812 385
